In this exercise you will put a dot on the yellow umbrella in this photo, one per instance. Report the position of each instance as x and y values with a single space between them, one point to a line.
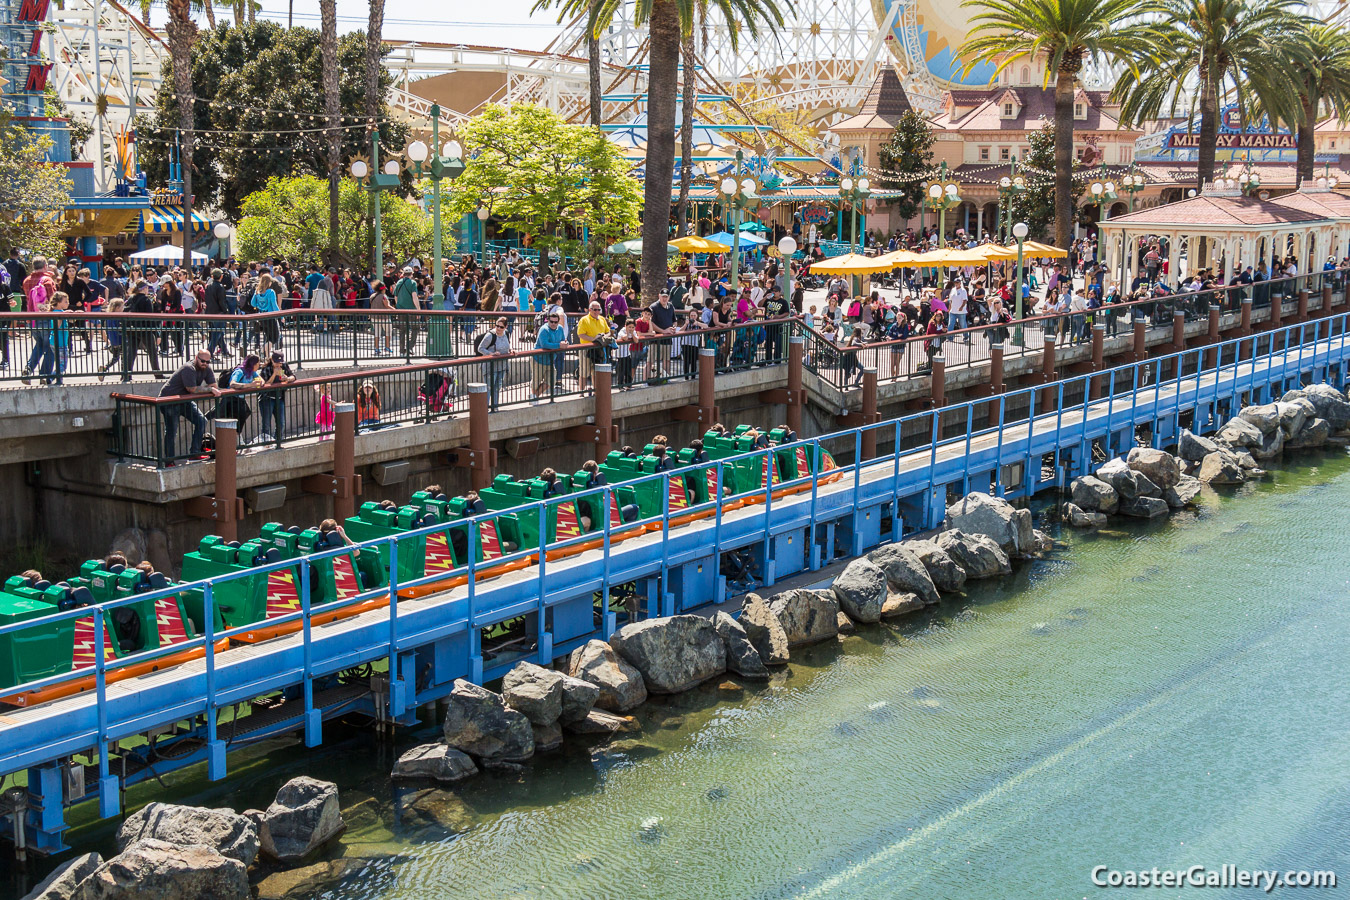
851 264
996 253
1035 248
898 258
695 244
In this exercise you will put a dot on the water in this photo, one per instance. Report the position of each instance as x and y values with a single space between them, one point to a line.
1161 694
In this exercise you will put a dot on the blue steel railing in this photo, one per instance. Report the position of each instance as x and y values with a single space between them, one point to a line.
1133 379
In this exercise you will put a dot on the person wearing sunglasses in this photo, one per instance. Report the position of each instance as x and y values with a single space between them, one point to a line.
551 337
497 345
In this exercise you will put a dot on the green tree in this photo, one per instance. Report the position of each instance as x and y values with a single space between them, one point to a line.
905 161
541 176
1323 79
33 193
1208 49
260 108
666 21
289 218
1036 205
1063 35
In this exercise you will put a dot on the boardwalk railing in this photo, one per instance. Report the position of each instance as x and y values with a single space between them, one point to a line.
161 429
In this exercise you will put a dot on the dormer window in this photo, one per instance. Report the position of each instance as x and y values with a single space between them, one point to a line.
1008 111
1080 111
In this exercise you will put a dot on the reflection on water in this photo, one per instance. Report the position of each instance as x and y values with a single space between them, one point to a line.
1170 699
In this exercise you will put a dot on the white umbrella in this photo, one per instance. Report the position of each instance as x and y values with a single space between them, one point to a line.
167 255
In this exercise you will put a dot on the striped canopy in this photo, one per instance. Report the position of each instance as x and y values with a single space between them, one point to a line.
166 220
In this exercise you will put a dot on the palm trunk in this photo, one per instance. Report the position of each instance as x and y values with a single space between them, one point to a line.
238 13
593 73
333 110
1307 148
251 12
689 90
210 8
662 85
182 32
1209 131
374 52
1064 88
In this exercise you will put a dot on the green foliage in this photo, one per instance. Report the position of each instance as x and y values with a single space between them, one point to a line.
1036 204
259 111
906 160
544 177
289 218
33 192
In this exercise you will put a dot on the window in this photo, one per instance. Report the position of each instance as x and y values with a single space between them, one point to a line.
1007 110
1079 111
984 154
1126 153
1026 75
1333 143
1004 154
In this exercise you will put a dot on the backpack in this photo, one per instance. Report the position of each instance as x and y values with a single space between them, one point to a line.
434 390
223 379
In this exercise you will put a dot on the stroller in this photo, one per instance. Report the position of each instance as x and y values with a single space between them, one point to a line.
437 392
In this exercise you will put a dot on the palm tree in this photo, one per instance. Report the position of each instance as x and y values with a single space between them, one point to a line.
374 98
593 75
209 7
1065 34
332 107
1217 49
1323 79
689 94
182 32
667 22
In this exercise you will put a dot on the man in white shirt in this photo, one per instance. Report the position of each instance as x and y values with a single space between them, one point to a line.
958 304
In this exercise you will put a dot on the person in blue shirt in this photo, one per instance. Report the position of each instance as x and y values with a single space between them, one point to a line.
265 301
551 337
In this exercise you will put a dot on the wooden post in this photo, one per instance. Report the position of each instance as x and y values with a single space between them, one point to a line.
344 461
1245 326
1098 358
480 436
1302 305
939 381
1140 337
995 380
1276 312
796 359
227 454
604 409
869 410
1178 332
1326 298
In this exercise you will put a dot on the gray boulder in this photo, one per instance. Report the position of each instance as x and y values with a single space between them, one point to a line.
901 604
1293 414
1078 517
579 696
535 691
1193 447
1220 468
904 570
861 590
435 762
976 553
764 631
61 884
1127 482
1245 459
1330 404
1184 493
1266 417
806 616
479 723
1094 495
1271 445
158 870
303 818
621 686
674 653
1240 433
597 721
846 625
946 573
1314 433
224 830
547 738
1044 543
978 513
742 657
1144 507
1158 466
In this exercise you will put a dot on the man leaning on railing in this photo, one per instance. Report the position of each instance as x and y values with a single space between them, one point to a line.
194 378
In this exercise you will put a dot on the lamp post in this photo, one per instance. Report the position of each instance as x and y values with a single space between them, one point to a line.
1019 232
943 195
370 177
445 164
852 194
222 233
482 215
1132 183
1103 193
786 247
738 195
1249 182
1010 187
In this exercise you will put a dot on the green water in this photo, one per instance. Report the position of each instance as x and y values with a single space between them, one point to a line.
1157 695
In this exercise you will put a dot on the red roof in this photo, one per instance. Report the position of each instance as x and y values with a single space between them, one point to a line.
1037 105
1218 212
1327 204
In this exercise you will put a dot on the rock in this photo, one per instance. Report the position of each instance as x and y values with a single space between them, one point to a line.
547 738
1330 404
1078 517
1293 415
535 691
479 723
223 830
994 517
806 616
1184 493
1266 417
764 631
158 870
303 818
1193 447
1220 468
1245 459
846 625
436 762
61 884
1127 482
432 808
621 686
674 653
901 604
597 721
131 543
1094 495
1044 543
1240 433
1271 445
314 880
860 590
1314 433
976 553
904 570
946 573
1158 466
579 696
1144 507
742 657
